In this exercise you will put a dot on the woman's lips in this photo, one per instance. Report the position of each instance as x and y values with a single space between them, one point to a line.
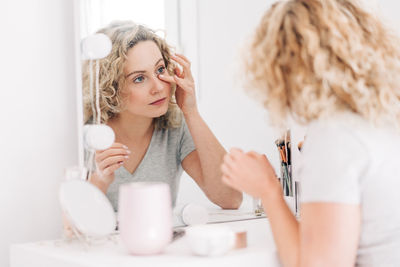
158 102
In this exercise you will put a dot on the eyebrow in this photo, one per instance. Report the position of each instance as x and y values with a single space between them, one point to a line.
142 71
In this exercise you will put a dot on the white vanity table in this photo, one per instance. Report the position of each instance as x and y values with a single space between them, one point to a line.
260 251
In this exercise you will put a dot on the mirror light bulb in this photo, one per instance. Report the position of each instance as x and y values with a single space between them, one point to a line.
98 136
96 46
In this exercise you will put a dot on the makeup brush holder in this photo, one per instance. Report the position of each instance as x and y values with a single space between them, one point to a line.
286 180
290 187
292 198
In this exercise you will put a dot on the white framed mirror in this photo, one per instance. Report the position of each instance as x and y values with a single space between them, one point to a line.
213 46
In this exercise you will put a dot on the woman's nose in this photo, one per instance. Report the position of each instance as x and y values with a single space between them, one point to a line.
158 85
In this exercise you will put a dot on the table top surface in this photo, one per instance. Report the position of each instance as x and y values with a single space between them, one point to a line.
260 251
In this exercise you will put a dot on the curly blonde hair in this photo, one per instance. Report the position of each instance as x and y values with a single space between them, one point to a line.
314 58
124 35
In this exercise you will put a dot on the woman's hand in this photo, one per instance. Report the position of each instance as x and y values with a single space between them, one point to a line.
185 89
108 161
251 173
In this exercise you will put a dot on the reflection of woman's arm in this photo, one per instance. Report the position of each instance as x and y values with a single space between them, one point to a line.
203 164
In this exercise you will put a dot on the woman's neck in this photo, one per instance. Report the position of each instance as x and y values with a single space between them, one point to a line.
129 128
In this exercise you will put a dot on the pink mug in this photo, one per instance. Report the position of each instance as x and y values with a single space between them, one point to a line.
145 217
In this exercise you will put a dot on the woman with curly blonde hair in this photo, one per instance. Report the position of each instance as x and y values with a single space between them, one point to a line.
333 66
150 104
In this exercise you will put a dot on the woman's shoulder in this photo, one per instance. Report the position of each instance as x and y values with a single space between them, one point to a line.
350 130
336 135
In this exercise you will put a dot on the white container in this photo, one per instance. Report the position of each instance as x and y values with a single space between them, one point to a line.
145 217
210 240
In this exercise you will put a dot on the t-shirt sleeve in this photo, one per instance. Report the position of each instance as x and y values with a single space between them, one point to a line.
332 166
186 142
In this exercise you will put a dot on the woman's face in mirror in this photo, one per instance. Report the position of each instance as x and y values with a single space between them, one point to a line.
144 93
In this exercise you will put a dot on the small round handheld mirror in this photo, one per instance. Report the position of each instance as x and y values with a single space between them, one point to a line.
87 208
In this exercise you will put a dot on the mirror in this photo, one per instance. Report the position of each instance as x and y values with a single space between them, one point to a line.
213 46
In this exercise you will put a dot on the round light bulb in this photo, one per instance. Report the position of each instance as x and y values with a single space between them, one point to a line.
98 136
96 46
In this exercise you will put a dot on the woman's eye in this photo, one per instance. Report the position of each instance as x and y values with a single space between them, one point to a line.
161 70
138 79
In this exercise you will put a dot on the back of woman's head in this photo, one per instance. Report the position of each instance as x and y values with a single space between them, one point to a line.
313 58
124 35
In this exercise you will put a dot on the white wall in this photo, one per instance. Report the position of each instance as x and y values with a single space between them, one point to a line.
387 10
38 117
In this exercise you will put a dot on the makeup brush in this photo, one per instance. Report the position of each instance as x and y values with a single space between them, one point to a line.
300 145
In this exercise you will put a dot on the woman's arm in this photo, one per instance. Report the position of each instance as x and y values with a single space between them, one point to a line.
203 164
328 232
327 235
285 229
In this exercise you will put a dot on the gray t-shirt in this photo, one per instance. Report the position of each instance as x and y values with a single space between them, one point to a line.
161 163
